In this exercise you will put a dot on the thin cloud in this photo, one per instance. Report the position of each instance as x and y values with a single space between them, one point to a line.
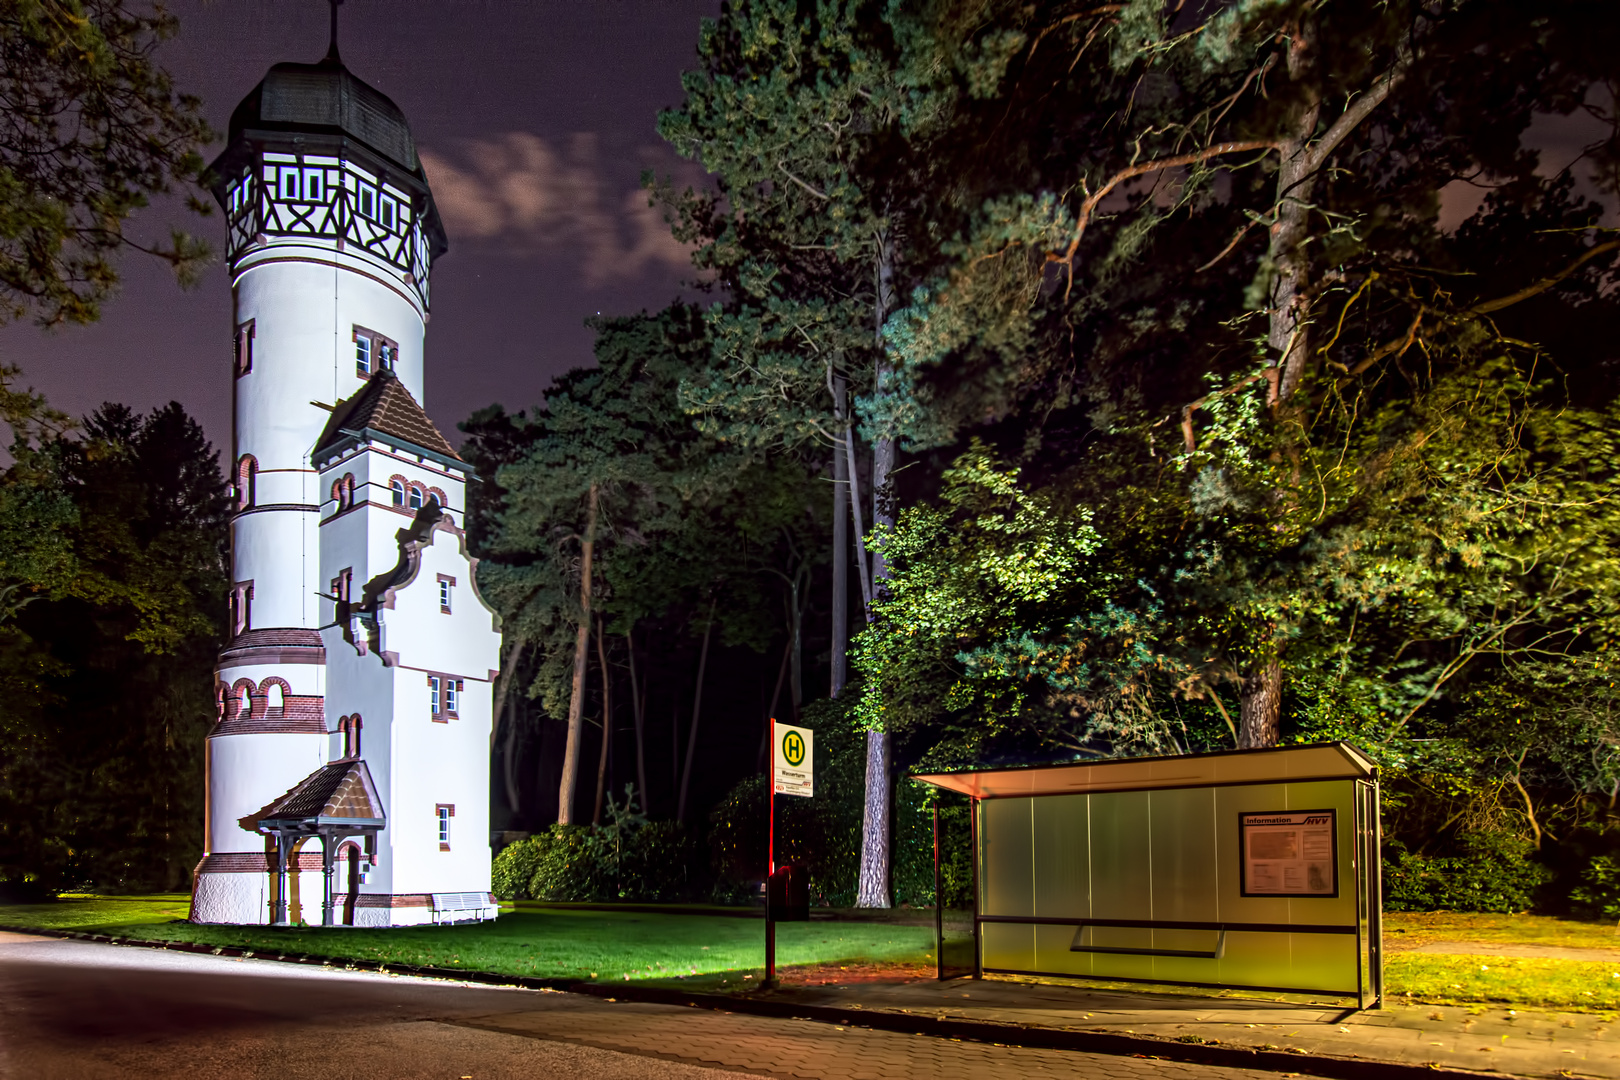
521 192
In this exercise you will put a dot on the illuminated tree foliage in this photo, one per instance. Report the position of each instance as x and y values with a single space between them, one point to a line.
1346 449
90 128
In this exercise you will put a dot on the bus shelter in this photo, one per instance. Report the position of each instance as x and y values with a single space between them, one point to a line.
1252 869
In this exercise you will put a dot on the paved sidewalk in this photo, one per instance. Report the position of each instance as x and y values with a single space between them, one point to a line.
1475 1039
771 1046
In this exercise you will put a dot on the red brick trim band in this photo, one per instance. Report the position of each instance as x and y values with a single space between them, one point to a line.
395 900
253 862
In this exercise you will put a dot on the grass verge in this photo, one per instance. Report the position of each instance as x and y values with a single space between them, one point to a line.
1448 979
722 952
1409 930
561 944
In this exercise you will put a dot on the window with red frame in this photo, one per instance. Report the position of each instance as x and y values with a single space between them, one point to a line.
247 482
243 348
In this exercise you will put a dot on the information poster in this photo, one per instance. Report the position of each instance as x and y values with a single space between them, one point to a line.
1289 853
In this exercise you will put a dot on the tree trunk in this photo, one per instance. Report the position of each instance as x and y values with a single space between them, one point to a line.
1288 332
582 641
840 544
638 704
796 645
505 722
770 713
873 887
697 712
607 721
1259 724
509 768
1289 335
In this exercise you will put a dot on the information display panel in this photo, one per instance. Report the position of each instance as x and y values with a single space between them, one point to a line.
1289 853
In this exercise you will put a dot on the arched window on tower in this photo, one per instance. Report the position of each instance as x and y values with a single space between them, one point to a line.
396 488
416 496
343 493
274 698
247 482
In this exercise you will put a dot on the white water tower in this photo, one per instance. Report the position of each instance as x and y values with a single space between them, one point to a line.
332 233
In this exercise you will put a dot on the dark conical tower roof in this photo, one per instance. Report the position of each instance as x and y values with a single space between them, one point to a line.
326 98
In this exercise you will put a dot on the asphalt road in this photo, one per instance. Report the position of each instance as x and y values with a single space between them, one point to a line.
77 1010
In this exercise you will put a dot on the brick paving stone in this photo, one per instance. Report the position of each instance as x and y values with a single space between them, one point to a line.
1526 1042
806 1050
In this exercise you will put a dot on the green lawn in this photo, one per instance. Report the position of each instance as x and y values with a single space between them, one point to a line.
101 914
571 944
1478 976
1444 979
1407 930
711 950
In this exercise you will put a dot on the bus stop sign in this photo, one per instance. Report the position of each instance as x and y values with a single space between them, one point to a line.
795 762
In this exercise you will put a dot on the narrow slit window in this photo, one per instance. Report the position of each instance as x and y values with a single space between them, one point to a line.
244 348
445 812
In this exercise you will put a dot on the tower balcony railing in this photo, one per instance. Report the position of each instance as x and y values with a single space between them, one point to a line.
347 209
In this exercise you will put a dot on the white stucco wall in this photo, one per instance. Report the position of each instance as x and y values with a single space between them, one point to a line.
245 772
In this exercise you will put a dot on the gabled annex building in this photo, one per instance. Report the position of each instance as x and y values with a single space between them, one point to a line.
348 772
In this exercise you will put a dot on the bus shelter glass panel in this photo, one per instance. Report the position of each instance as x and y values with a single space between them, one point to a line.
1264 885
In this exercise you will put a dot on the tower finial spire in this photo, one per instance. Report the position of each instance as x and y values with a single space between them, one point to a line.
332 49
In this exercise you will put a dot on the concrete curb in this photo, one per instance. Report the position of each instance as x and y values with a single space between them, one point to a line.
1117 1044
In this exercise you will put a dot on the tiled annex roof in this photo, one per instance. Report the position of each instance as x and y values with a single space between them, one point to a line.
384 405
341 790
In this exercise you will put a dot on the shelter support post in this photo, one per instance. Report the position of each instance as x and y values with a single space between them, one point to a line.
978 936
279 913
327 867
939 904
1376 938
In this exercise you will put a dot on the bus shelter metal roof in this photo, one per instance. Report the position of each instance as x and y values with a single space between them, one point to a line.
1314 761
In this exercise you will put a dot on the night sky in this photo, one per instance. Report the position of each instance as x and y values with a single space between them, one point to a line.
534 119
